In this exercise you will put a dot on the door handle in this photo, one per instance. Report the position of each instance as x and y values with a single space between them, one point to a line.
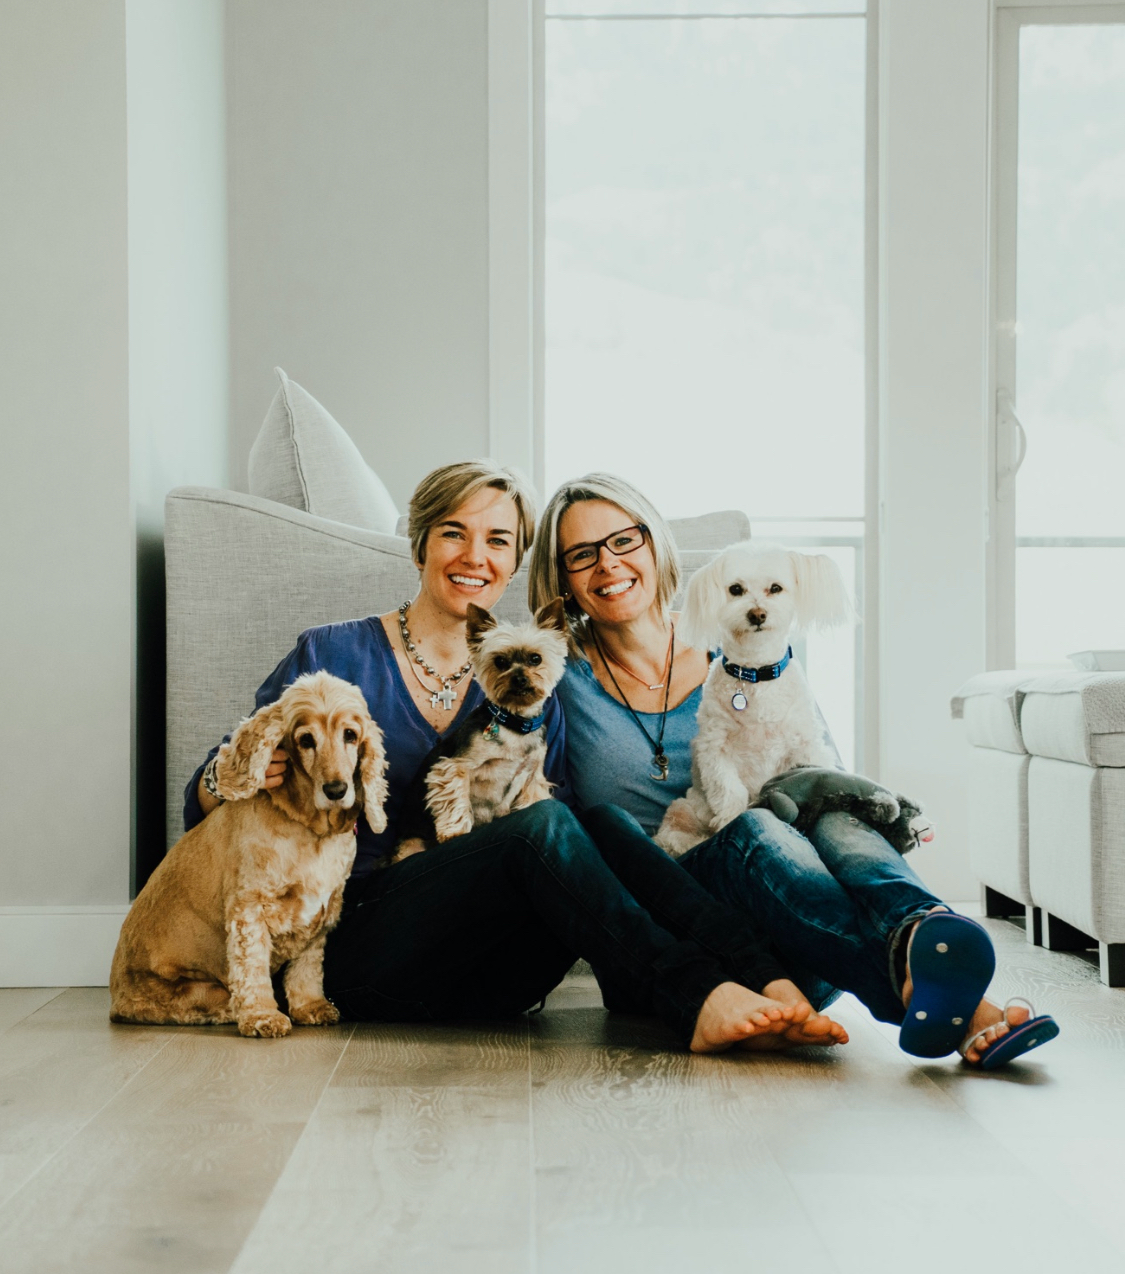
1011 445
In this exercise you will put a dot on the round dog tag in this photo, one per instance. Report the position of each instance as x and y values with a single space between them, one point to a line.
738 701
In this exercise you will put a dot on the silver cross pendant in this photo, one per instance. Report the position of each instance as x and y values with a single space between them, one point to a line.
446 695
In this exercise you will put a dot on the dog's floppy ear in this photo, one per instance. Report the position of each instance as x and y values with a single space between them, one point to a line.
243 759
553 615
699 620
479 621
372 776
822 595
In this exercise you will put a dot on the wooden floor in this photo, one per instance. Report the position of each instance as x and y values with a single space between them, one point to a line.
566 1143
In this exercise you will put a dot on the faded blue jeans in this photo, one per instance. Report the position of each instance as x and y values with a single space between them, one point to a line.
833 910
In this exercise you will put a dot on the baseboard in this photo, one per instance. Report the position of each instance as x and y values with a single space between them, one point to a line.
58 946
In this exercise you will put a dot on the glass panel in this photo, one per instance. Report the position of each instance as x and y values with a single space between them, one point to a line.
704 261
1070 337
747 8
1068 599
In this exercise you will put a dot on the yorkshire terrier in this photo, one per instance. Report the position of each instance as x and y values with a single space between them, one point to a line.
492 763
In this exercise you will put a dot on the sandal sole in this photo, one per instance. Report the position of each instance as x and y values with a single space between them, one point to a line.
951 965
1019 1040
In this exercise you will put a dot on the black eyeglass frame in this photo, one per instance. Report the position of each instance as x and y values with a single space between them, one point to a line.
598 545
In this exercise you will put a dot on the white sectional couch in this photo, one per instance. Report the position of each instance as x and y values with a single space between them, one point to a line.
1047 805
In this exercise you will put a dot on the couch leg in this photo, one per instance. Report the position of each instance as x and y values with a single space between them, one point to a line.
1111 959
998 906
1059 936
1033 925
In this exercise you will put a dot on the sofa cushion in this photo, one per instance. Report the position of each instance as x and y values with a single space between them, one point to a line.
1076 827
303 458
989 706
996 788
1075 716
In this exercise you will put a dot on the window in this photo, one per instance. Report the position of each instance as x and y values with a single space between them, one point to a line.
704 276
1061 349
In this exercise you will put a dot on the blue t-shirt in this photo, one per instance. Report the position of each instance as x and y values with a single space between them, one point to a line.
609 760
359 651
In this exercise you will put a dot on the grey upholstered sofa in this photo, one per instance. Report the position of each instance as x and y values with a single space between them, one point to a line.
246 574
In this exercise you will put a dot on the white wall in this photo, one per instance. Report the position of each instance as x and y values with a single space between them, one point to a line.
933 364
179 384
112 270
359 222
66 537
178 327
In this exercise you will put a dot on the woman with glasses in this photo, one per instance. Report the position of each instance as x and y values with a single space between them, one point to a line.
844 912
489 923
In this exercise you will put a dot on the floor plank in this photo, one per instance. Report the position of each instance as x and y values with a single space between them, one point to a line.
58 1067
572 1142
416 1160
174 1171
646 1157
19 1002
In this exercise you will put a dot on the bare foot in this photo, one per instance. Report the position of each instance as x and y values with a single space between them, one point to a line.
989 1019
807 1026
732 1014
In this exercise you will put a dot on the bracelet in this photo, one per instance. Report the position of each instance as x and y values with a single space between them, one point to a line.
210 786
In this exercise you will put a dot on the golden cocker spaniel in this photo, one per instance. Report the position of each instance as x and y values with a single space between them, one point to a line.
258 883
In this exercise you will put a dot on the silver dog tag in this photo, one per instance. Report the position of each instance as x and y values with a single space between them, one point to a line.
738 701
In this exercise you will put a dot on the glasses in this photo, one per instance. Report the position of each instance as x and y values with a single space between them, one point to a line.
584 556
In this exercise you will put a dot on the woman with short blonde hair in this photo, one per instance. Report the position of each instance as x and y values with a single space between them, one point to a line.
441 492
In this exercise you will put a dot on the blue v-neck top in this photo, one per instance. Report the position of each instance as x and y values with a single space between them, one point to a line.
359 651
609 760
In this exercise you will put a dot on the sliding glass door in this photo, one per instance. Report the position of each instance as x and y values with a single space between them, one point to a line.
1059 480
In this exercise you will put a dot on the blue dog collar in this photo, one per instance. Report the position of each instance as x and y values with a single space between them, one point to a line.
770 672
512 720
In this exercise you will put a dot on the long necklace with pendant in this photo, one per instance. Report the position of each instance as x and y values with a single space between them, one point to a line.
659 756
446 696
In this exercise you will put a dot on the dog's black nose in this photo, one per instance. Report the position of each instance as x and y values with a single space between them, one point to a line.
335 790
756 617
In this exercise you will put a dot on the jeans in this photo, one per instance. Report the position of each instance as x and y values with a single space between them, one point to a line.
834 908
488 923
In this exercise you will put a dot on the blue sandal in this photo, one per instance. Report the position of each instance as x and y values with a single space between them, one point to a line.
1017 1041
951 963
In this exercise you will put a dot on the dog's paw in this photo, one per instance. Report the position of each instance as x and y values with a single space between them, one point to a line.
266 1024
412 845
884 808
314 1013
448 828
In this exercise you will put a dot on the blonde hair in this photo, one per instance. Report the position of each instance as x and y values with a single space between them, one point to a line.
547 580
445 490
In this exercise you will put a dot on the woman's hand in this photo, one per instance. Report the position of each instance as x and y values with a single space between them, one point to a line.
275 776
275 771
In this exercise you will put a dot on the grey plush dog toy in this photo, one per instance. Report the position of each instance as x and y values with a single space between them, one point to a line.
801 796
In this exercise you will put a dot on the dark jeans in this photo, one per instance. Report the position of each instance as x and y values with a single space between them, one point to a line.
489 923
832 910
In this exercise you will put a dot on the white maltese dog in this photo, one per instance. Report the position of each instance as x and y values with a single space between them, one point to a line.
757 717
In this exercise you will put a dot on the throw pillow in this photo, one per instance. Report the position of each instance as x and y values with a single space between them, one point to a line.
303 458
